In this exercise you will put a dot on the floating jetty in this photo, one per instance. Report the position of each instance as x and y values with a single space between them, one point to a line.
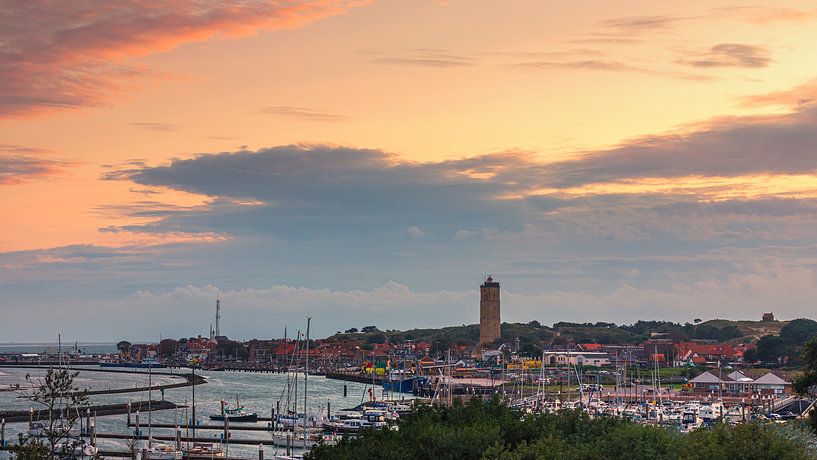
173 438
106 409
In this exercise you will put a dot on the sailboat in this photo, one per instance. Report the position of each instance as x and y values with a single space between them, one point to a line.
152 450
307 438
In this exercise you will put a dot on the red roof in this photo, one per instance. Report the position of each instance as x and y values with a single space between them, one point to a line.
719 350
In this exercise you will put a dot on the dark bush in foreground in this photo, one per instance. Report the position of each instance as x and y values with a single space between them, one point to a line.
490 430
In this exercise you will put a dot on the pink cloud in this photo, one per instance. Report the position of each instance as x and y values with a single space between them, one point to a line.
66 55
24 164
796 97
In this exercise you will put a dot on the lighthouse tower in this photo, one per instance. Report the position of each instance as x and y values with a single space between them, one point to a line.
489 311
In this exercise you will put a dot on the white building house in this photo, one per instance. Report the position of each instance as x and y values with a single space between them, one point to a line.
772 383
576 358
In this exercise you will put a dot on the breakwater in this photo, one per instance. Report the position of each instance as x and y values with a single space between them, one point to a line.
100 410
190 380
354 377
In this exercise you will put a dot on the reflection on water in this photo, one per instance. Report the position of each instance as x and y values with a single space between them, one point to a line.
257 392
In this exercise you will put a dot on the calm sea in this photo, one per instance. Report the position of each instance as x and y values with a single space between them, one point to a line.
85 347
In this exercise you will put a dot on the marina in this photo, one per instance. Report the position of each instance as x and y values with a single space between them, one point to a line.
259 391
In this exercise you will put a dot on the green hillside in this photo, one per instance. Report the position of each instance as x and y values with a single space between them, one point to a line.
533 335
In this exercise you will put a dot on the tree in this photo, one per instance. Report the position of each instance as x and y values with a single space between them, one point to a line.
351 330
750 356
30 449
798 331
807 383
376 338
368 329
123 347
771 348
491 430
168 347
61 400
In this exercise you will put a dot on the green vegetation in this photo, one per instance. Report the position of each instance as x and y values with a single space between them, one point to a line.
57 395
807 383
490 430
787 347
533 335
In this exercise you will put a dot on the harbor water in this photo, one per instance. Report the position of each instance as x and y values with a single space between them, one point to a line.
257 392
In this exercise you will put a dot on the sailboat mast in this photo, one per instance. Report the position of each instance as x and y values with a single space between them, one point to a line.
150 398
306 377
295 378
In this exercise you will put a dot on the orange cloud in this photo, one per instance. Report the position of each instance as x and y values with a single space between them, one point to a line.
24 164
57 55
798 96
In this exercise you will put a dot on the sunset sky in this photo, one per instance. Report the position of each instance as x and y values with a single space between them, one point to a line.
369 162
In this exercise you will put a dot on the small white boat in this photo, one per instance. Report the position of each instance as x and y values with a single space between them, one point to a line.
150 450
205 450
40 429
76 449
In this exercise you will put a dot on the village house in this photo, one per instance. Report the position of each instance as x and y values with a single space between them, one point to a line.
576 358
738 383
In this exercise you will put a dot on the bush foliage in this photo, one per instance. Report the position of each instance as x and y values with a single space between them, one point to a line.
490 430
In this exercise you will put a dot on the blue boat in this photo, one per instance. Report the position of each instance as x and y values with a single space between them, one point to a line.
405 385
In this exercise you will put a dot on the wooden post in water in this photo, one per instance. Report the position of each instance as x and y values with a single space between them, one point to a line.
260 452
30 418
3 433
87 421
178 438
128 414
344 390
138 433
93 431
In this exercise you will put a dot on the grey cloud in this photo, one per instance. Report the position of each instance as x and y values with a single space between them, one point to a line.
302 191
609 65
569 53
730 147
639 24
425 57
306 193
730 55
300 113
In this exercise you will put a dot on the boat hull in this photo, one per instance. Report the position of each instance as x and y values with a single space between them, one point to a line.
235 418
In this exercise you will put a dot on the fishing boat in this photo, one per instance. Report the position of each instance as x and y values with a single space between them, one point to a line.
236 414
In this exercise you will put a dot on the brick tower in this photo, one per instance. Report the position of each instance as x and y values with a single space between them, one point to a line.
489 311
